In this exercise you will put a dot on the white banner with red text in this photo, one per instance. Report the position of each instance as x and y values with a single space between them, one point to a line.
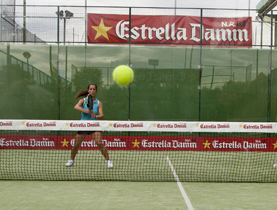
163 135
146 126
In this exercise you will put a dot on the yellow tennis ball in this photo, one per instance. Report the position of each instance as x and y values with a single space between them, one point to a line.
123 75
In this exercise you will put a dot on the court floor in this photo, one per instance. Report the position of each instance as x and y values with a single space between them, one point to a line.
136 195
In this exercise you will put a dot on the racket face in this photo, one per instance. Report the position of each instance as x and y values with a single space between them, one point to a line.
90 102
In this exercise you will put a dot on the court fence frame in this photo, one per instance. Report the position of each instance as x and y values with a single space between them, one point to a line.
24 25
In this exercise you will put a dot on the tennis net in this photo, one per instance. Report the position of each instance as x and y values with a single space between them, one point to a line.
140 151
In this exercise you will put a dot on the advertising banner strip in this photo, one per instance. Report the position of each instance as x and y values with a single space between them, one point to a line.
142 143
143 126
166 29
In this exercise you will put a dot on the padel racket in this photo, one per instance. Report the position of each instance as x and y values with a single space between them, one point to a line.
90 102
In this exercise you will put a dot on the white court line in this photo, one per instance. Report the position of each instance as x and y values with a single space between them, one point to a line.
184 194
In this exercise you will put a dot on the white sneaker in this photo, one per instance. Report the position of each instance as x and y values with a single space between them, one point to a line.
275 165
110 164
69 163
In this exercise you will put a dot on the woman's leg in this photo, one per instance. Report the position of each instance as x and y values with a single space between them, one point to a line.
78 141
97 137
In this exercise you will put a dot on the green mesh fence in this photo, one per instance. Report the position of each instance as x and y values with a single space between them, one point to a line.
234 84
